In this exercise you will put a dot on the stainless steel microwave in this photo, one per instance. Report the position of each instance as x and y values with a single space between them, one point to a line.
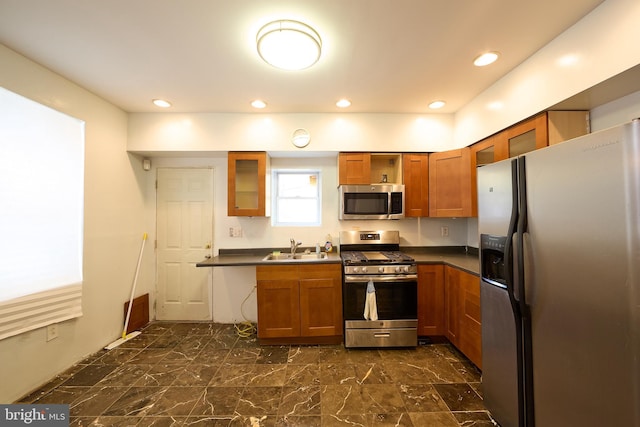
376 201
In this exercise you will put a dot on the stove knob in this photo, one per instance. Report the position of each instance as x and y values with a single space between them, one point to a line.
397 269
356 269
364 269
380 269
406 269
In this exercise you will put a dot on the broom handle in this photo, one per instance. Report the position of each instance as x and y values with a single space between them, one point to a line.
133 288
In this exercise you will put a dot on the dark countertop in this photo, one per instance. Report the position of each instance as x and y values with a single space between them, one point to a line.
241 257
456 256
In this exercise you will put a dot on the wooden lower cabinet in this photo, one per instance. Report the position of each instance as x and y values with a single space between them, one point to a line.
299 303
452 304
462 313
449 306
470 322
431 300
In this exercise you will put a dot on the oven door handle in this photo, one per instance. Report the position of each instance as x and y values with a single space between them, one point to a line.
381 278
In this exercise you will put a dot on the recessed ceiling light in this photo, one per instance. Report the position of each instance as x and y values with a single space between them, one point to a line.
485 59
161 103
289 45
343 103
258 104
437 104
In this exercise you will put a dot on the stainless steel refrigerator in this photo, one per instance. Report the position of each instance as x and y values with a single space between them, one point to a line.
560 289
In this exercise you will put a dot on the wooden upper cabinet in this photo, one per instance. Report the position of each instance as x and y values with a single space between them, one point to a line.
539 131
416 184
487 151
450 192
525 136
369 168
565 125
354 168
248 184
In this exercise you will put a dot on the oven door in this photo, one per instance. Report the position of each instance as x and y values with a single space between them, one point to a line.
396 301
396 296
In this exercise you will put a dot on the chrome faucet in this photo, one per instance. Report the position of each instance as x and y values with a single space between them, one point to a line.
294 246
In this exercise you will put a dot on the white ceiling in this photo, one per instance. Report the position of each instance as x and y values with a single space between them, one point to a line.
388 56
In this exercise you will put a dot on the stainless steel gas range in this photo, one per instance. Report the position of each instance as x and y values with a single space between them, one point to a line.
379 290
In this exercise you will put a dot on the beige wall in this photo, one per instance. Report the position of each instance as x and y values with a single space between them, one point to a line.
197 133
113 228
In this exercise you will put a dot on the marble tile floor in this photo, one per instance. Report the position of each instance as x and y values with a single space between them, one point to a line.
204 374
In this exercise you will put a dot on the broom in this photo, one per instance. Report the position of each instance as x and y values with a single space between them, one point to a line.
133 334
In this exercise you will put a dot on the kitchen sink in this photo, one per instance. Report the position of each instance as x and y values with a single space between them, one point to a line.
296 257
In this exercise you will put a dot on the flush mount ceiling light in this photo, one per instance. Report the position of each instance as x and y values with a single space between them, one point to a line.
289 45
437 104
485 59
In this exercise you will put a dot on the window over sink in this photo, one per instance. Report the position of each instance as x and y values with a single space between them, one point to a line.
296 199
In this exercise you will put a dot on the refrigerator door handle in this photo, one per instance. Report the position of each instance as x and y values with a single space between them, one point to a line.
527 269
524 334
520 231
511 231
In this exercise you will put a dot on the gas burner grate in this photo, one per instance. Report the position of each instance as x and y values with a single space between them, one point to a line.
384 257
397 256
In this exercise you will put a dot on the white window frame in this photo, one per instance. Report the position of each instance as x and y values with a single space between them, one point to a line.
275 197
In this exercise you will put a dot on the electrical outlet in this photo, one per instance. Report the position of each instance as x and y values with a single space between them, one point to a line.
444 231
52 332
235 232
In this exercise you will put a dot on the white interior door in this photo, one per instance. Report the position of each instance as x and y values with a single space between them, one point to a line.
184 233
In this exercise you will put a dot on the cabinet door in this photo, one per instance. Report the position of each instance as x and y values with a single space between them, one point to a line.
431 319
247 184
278 301
487 151
452 304
354 168
321 300
526 136
416 184
450 184
470 322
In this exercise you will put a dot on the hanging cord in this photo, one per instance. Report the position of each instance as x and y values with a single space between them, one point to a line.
245 329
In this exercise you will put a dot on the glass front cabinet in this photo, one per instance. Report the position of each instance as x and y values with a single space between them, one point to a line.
248 173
